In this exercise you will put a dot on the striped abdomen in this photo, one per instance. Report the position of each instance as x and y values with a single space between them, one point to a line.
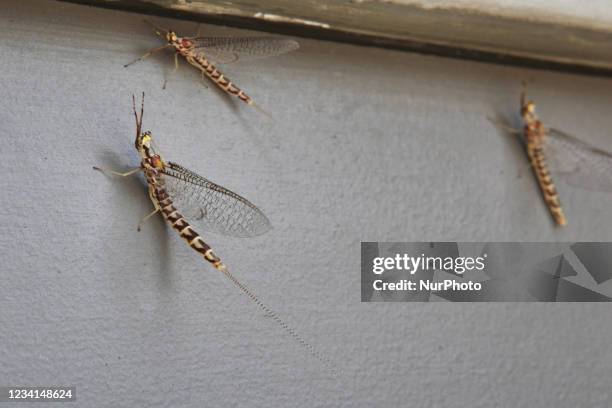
218 78
176 220
538 162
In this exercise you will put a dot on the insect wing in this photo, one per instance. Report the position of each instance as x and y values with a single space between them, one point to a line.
578 163
225 50
212 207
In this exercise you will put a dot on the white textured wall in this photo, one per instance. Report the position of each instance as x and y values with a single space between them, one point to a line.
367 145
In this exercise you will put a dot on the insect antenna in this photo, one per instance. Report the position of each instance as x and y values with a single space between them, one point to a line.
158 30
138 119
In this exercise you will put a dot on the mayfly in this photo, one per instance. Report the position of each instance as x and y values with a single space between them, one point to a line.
574 161
178 193
204 52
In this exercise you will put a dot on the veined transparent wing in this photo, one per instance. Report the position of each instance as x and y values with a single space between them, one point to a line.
225 50
211 207
578 163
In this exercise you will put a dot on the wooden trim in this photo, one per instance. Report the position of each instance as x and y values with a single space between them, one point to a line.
577 46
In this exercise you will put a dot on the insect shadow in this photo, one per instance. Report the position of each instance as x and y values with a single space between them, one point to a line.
513 133
129 191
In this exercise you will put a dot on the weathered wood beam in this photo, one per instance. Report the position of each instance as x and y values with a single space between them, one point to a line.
537 41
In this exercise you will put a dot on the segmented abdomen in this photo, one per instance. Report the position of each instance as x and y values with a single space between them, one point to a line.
218 78
176 220
538 162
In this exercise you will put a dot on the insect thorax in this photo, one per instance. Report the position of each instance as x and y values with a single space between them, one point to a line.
150 158
534 131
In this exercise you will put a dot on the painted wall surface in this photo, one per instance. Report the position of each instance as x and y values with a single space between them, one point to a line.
365 145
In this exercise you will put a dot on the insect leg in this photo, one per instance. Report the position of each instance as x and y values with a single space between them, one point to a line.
147 54
505 127
146 217
176 63
117 173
